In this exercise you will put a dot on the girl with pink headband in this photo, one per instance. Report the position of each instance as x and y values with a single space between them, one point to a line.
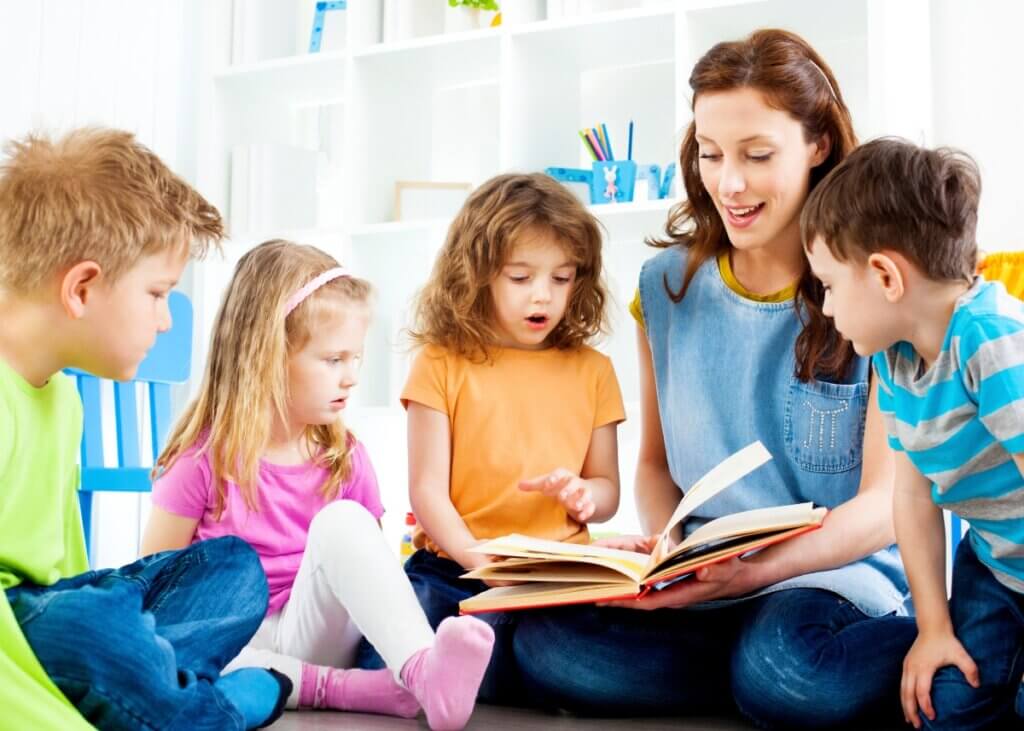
263 453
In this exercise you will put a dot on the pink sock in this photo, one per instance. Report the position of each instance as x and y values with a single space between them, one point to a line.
445 678
365 691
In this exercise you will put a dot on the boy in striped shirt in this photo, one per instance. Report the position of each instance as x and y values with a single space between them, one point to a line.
891 235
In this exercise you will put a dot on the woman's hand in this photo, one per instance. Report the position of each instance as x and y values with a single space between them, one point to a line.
571 490
721 580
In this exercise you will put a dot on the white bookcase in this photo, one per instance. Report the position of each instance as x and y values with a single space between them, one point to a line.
468 105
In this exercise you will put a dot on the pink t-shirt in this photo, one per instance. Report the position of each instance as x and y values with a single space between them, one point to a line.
289 497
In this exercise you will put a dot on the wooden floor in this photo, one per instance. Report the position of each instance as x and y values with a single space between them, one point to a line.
495 718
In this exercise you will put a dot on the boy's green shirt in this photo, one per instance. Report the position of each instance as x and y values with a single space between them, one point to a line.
41 538
40 432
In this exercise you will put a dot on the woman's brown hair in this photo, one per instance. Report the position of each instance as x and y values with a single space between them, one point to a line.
793 78
455 308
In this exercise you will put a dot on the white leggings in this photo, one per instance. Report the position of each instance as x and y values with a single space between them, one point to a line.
349 584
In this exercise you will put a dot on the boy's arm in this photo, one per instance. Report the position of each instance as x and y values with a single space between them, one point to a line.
1019 459
167 532
921 534
430 449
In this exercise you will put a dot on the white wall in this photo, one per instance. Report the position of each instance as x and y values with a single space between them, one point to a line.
120 63
978 106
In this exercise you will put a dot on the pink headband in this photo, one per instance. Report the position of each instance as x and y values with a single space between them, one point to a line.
296 299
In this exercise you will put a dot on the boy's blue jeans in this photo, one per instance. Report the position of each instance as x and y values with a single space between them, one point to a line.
798 658
439 590
140 647
988 619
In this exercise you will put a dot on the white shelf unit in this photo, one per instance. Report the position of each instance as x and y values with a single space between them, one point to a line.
466 106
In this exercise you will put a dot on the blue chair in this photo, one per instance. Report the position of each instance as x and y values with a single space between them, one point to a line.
169 361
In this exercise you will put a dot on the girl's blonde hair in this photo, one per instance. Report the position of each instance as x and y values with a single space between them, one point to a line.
245 386
455 309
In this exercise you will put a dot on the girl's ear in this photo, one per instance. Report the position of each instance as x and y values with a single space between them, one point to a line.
889 274
823 149
77 287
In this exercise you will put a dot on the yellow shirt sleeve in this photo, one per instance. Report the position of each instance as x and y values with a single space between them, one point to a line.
636 310
610 409
427 381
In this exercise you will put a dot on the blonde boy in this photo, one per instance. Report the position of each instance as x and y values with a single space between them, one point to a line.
891 235
94 232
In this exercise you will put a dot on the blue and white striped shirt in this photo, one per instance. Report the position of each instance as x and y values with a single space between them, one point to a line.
962 420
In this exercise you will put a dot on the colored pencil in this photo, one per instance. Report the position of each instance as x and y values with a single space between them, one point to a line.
597 145
607 141
600 140
586 143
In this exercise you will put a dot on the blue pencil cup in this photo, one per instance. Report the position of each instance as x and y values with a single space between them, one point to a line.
612 181
622 183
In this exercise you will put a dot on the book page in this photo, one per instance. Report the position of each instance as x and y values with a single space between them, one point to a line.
549 570
680 565
754 521
628 563
720 477
532 595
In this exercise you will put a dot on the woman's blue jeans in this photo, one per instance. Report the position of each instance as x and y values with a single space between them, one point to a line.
798 658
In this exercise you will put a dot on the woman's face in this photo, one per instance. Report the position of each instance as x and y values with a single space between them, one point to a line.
755 164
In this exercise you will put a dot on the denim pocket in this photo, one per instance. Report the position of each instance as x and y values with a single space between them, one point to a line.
824 429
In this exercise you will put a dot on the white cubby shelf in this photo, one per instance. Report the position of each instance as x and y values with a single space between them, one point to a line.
462 107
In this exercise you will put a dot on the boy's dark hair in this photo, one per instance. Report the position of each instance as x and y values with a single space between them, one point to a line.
890 194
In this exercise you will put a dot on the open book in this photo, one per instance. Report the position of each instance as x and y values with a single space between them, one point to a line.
556 573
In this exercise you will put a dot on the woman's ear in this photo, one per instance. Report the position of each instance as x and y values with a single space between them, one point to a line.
823 150
889 275
76 287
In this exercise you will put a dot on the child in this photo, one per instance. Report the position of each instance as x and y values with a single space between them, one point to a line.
94 233
512 417
263 454
890 234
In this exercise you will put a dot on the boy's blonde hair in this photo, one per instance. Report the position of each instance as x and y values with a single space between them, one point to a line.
455 309
93 195
245 386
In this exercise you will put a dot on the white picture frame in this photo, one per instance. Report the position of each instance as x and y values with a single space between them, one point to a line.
425 199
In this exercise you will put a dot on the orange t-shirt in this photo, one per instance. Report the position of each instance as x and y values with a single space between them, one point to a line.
521 415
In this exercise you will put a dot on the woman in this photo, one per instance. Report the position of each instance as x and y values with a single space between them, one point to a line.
733 348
